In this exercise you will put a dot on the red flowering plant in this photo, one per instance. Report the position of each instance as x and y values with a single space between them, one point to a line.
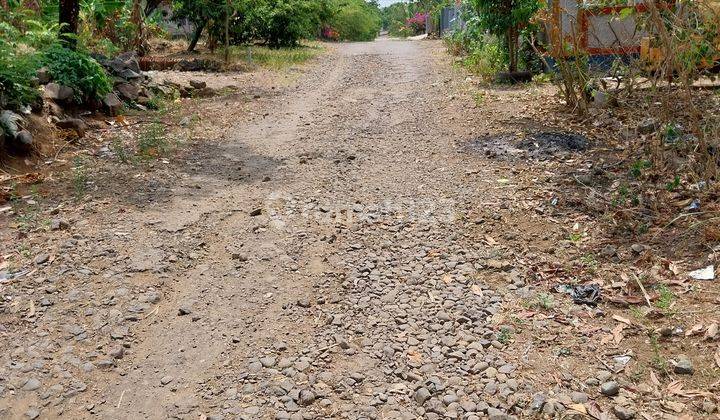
417 22
328 32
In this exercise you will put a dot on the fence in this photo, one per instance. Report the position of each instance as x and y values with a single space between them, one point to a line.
450 20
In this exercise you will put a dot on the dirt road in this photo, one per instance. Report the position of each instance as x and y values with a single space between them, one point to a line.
336 253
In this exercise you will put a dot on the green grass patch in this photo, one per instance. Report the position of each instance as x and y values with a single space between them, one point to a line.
275 58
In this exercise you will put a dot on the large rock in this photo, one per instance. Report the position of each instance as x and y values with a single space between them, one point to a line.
127 91
113 104
58 92
124 65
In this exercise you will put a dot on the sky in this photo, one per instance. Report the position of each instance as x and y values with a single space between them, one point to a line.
385 3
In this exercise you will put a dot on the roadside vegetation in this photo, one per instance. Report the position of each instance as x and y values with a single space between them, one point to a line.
66 52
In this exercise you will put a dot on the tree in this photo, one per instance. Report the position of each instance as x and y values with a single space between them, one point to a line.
69 13
203 14
505 19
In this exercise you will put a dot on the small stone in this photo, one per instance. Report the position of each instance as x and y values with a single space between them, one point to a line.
683 365
41 259
166 379
623 413
58 224
421 395
579 397
184 309
610 388
268 361
638 248
116 352
307 397
538 401
197 84
32 413
31 385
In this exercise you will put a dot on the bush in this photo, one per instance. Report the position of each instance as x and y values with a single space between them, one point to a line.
486 57
283 23
356 20
79 71
16 73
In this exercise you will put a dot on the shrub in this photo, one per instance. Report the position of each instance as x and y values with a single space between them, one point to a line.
77 70
356 20
417 22
485 57
16 73
283 23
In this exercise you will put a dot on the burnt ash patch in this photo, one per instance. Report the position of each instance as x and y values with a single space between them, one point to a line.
543 145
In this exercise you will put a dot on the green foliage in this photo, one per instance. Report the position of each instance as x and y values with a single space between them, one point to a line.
276 58
356 20
485 57
672 186
505 19
152 142
637 168
283 23
79 71
498 16
16 72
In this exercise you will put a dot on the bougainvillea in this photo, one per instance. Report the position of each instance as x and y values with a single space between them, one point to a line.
417 22
330 33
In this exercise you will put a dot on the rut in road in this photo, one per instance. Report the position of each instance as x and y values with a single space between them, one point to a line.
361 290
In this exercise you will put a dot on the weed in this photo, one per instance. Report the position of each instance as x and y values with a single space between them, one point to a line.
665 300
637 313
505 335
276 58
79 177
575 237
479 98
638 166
564 351
658 361
545 301
590 262
671 132
120 151
24 251
672 186
152 142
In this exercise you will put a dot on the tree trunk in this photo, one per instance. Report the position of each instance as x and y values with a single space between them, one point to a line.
512 41
137 20
69 12
196 37
227 31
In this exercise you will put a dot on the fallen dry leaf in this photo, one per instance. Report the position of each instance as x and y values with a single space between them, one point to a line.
695 330
476 290
618 318
617 333
654 379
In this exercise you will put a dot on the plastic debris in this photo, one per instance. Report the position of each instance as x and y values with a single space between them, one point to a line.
694 206
583 294
707 273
